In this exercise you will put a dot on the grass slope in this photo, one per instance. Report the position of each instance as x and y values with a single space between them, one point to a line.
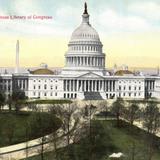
13 126
107 138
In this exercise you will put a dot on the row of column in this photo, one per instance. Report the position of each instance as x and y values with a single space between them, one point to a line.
150 84
89 85
85 61
21 84
6 85
86 48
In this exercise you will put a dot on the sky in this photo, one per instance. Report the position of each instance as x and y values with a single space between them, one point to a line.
128 29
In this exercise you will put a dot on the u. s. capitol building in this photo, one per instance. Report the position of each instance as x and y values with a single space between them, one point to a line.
84 75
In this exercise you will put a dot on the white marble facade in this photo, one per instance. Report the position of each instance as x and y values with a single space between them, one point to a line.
84 75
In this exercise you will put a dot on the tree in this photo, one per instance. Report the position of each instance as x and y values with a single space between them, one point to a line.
27 136
39 128
41 124
68 115
54 137
17 97
32 106
2 101
89 112
131 112
9 102
9 128
103 107
117 109
152 124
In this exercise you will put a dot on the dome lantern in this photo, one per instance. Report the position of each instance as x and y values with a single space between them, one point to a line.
85 8
85 16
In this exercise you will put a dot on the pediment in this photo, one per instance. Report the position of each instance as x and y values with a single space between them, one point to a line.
90 75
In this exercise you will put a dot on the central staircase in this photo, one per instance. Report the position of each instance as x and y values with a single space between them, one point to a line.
92 96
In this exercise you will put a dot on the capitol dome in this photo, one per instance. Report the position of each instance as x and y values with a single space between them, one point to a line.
85 31
85 51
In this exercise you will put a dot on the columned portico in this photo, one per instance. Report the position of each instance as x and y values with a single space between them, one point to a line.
73 85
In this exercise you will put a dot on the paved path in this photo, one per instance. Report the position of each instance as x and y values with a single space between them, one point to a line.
32 151
15 152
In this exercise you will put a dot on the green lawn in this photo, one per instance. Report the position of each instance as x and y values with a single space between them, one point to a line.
105 139
15 126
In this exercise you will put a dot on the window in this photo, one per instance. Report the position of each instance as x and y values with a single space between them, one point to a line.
124 94
39 87
51 87
56 94
34 93
51 94
119 87
34 87
129 94
56 87
124 87
45 94
135 88
45 86
139 88
135 94
129 87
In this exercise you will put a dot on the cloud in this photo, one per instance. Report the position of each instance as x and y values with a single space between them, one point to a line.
149 10
26 7
110 19
68 15
3 11
67 18
32 27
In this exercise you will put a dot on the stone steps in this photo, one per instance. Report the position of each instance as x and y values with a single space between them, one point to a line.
92 96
